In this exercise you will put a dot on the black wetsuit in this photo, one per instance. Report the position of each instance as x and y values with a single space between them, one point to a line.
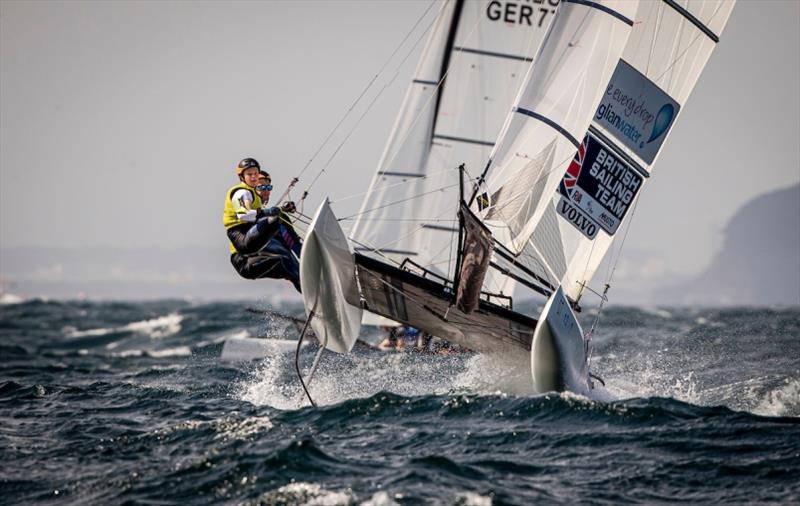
266 249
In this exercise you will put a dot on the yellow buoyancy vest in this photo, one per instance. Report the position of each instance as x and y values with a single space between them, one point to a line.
229 218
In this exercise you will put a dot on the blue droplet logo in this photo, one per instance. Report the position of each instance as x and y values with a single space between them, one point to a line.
663 120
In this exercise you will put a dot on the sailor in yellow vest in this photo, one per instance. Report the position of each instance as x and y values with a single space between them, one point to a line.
286 243
250 227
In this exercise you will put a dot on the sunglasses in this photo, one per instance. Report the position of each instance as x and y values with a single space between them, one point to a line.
263 187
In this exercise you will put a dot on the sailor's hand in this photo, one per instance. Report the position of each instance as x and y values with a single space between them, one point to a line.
289 207
270 211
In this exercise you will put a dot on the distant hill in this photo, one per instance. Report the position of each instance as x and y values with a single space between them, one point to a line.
759 262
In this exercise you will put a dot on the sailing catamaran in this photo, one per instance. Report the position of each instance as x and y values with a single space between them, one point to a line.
552 152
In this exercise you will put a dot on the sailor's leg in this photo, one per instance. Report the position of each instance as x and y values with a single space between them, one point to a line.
257 265
265 264
290 266
252 238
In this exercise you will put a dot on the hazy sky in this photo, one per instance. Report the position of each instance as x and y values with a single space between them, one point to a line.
121 122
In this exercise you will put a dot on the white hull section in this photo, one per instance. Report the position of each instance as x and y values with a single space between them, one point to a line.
376 320
328 280
558 351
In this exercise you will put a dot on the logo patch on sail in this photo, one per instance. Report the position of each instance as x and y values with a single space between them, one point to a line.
636 112
601 184
578 218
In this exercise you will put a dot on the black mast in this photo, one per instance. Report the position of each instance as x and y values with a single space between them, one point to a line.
448 50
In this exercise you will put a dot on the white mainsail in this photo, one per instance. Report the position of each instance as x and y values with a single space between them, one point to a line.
553 110
667 50
471 69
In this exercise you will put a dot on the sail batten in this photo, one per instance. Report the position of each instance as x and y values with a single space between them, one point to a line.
696 22
603 8
544 119
462 139
493 54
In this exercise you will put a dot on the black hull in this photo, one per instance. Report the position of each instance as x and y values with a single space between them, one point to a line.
427 305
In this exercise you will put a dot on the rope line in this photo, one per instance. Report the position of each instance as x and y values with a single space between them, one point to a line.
380 92
364 91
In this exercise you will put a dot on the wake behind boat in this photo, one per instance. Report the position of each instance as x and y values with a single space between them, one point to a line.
445 250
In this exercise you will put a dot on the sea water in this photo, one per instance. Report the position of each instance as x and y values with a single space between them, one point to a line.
110 403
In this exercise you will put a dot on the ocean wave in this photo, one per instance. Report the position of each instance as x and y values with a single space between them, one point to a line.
178 351
155 328
306 494
781 401
7 299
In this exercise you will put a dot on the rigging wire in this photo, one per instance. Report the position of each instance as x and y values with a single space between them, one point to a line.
422 110
413 197
380 92
364 91
374 249
386 187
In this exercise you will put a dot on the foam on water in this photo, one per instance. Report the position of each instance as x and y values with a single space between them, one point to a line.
782 401
496 373
72 332
7 299
472 499
341 377
179 351
381 498
306 494
228 428
156 328
655 311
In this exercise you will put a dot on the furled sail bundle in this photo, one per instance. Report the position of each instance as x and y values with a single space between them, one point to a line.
575 212
471 68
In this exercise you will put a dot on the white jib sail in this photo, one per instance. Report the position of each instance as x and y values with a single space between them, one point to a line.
667 50
553 110
470 72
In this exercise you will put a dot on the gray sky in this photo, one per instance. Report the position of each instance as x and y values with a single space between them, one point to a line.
121 122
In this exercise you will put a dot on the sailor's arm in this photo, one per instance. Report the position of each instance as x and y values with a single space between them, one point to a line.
243 202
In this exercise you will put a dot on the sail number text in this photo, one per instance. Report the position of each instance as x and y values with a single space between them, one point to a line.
526 12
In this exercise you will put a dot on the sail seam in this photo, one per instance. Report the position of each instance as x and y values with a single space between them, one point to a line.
690 17
603 8
549 123
492 53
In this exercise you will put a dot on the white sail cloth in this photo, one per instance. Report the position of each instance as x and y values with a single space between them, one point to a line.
554 108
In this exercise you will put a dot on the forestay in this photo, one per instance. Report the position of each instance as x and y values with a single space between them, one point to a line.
665 54
470 71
